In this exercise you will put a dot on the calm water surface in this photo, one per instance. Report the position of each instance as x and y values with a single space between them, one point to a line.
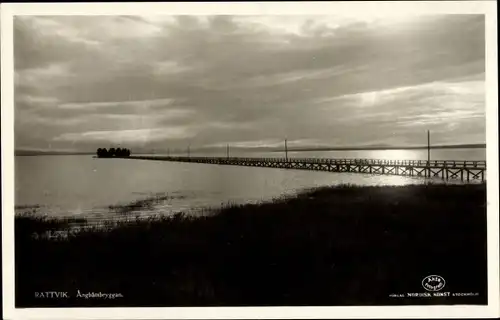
83 185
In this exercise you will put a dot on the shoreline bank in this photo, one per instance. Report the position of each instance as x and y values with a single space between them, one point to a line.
340 245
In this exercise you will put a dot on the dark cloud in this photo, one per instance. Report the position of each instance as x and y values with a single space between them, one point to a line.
247 80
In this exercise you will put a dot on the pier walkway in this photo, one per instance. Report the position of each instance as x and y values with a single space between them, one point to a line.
444 169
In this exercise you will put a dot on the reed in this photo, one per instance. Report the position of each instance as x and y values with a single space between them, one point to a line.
343 245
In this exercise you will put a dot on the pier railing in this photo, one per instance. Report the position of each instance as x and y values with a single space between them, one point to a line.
446 169
419 163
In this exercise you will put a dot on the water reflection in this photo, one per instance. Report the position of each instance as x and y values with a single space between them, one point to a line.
71 185
394 154
400 154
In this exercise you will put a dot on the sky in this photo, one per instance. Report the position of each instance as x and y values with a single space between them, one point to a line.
158 82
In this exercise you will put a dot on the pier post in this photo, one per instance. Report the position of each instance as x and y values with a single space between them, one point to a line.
428 152
286 151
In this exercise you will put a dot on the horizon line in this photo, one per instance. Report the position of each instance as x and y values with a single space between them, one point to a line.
271 149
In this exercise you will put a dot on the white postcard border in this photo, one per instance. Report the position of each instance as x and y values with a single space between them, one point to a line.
357 9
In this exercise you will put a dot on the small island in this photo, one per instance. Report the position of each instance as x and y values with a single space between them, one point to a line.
113 153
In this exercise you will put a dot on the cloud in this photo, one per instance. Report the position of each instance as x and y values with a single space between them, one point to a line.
250 144
126 136
36 101
248 78
98 105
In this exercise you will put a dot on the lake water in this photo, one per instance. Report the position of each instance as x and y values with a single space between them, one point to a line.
83 185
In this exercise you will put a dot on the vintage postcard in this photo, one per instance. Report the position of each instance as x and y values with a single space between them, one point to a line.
246 159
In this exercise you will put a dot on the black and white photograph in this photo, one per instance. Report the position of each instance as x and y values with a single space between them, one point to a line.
168 158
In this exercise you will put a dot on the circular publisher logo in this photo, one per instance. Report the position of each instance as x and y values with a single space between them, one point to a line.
433 283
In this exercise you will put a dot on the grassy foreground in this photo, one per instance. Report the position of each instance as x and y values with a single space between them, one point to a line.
331 246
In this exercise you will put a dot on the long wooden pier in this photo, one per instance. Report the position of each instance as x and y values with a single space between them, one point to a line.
444 169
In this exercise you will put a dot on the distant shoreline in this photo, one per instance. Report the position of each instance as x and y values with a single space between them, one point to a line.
461 146
366 148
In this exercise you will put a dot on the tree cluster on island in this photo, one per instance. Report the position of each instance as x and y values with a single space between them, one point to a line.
112 152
